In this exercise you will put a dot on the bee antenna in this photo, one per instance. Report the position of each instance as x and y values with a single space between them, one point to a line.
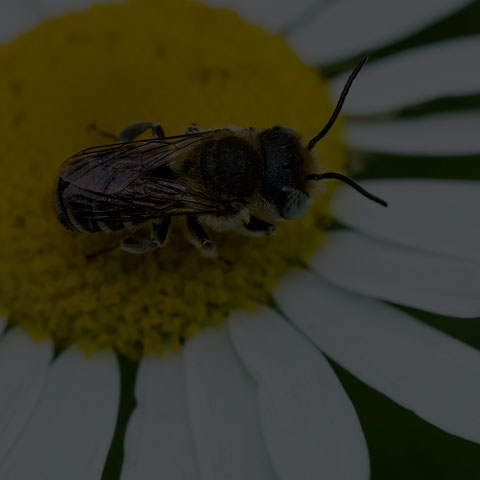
349 181
339 106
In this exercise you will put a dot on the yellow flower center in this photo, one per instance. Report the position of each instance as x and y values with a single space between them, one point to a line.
166 61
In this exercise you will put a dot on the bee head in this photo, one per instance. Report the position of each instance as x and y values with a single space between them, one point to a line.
284 176
284 181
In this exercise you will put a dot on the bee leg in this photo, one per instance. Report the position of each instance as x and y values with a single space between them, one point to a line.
138 245
258 228
101 132
192 128
199 238
160 231
132 131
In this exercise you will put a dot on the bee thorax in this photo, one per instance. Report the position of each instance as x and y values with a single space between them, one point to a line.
231 166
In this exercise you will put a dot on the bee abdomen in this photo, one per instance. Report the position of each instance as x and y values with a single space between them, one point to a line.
61 209
79 212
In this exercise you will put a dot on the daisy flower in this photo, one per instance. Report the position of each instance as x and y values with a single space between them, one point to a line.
170 365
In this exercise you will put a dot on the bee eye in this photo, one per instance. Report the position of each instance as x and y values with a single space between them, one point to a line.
294 203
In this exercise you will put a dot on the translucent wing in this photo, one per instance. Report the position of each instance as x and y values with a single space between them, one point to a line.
146 200
109 169
125 183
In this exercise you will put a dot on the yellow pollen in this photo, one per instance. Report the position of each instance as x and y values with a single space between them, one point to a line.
168 61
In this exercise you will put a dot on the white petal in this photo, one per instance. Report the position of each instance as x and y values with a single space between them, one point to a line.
428 281
454 133
69 433
309 425
23 371
15 18
415 365
348 27
158 441
222 406
435 215
444 69
272 15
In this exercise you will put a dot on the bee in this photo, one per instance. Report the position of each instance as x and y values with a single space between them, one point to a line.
220 179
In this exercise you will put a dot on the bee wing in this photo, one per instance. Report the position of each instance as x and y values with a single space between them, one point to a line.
171 197
150 198
109 169
120 188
